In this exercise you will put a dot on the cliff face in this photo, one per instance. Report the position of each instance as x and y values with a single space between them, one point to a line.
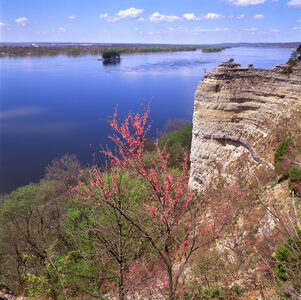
234 110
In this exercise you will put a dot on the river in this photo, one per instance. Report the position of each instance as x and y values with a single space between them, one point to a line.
50 106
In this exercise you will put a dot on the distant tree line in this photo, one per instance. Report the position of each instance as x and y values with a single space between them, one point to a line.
76 50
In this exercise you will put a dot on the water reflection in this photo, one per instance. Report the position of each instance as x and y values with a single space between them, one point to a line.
108 62
20 112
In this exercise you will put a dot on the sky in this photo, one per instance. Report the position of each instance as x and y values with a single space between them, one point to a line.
150 21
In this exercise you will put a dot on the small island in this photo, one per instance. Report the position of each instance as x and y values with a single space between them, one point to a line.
110 57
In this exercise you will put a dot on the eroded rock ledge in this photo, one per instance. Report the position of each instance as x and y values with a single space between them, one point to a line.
234 110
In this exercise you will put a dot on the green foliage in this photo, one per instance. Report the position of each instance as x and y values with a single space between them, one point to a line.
214 48
38 286
178 142
29 222
294 183
22 197
214 292
111 55
24 50
288 261
293 60
283 150
295 56
283 162
287 69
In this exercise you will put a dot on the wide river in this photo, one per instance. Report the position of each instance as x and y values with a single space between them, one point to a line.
50 106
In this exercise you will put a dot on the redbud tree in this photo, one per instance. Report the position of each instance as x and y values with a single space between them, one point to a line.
167 215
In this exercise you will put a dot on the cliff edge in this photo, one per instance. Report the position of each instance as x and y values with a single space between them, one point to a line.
235 109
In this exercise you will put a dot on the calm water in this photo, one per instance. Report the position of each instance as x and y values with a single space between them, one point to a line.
55 105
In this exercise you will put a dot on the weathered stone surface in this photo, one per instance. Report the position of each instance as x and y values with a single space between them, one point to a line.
230 104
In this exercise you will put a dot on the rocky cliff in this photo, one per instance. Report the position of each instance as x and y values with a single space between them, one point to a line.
235 110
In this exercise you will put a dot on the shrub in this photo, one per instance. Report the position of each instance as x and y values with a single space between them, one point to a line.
295 56
175 124
111 55
178 142
65 169
288 266
294 175
293 60
287 70
30 219
281 161
214 292
231 60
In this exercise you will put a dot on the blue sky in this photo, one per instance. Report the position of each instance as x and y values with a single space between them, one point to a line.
150 21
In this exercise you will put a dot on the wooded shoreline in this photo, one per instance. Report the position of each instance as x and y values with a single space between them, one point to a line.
95 49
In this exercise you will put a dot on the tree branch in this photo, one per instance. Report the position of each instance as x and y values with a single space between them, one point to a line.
244 143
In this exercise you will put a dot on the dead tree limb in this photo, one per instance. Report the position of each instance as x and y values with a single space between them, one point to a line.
243 143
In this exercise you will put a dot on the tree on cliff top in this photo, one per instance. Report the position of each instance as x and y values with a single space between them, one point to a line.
295 56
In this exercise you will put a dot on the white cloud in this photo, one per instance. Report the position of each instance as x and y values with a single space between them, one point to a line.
299 21
199 29
241 17
274 30
108 18
141 19
182 30
177 29
295 3
250 29
72 17
193 17
130 13
23 21
213 16
3 24
247 2
190 17
258 17
158 18
295 28
62 29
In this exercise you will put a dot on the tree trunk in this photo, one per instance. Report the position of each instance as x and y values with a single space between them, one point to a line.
121 283
171 295
121 264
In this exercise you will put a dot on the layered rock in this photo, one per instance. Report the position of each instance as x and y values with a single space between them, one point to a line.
234 109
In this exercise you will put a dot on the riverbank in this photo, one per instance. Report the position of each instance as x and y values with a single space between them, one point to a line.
86 49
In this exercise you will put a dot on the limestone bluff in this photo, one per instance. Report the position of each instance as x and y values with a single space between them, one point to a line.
235 108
